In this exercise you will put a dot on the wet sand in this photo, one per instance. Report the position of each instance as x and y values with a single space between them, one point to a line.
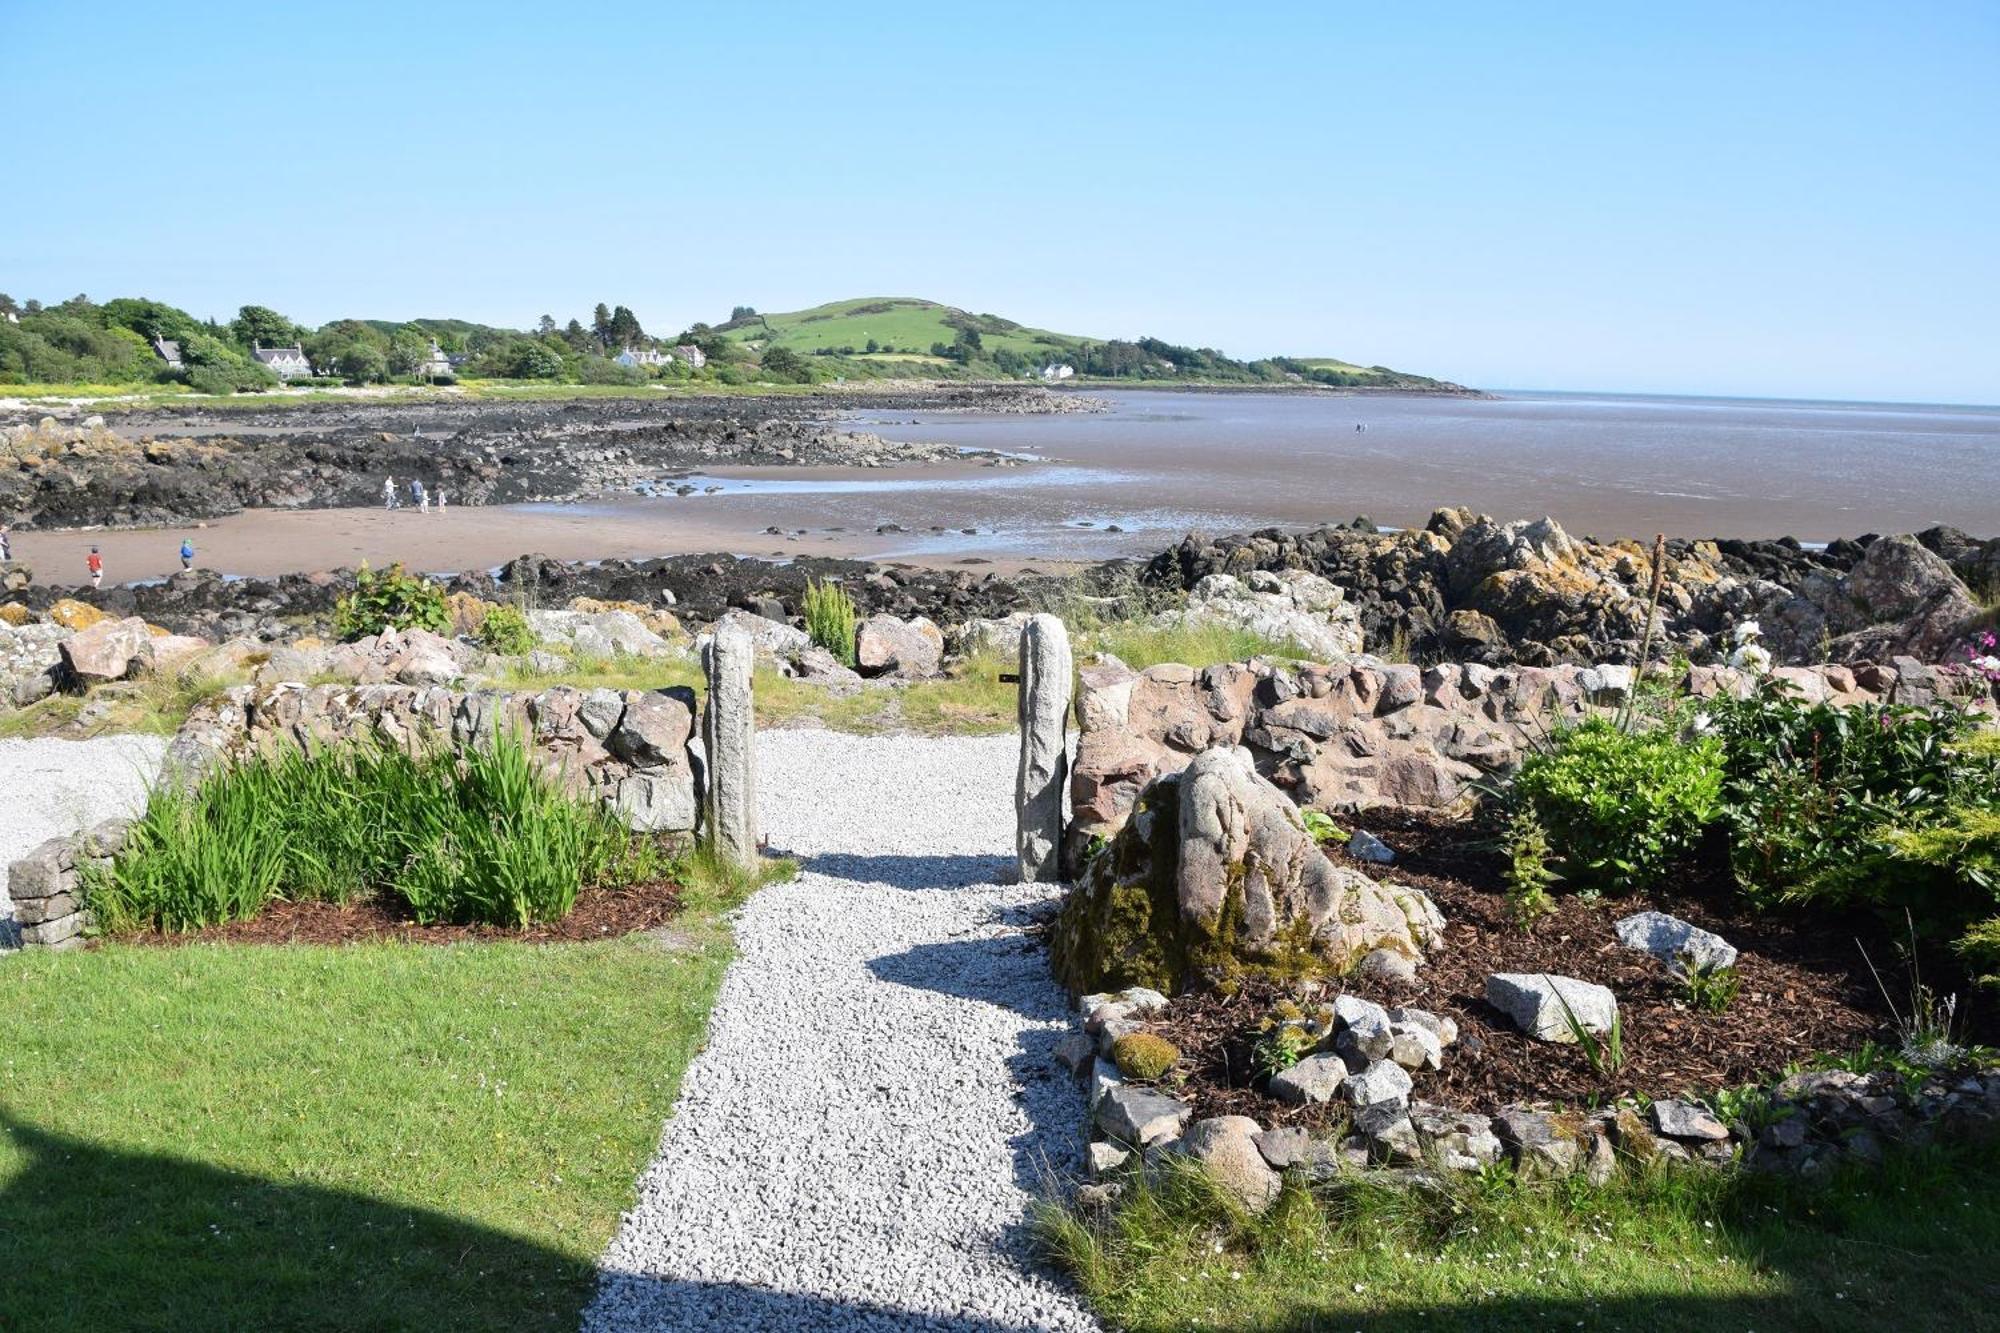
1133 481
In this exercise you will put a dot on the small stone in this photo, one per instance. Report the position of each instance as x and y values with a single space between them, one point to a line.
1076 1052
1542 1148
1144 1003
1601 1163
1365 846
1445 1028
1787 1133
1365 1034
1108 1033
1686 1120
1383 1081
1104 1158
1284 1147
1104 1077
1414 1046
1312 1081
1675 942
1391 1137
1541 1005
1140 1116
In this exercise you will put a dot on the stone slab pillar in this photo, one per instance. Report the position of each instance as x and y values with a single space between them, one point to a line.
1043 775
729 734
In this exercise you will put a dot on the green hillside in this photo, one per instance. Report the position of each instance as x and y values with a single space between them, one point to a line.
902 335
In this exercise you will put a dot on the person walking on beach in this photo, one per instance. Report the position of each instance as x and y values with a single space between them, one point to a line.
388 492
417 491
6 544
423 501
440 499
95 564
187 553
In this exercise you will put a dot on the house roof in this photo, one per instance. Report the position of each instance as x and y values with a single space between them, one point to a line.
167 348
272 355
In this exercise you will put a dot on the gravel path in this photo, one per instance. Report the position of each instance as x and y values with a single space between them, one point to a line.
857 1145
50 787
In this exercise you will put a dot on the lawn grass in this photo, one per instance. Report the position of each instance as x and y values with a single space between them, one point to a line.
1907 1245
372 1136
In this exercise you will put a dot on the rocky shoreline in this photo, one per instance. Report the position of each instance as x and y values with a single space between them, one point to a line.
166 466
1466 588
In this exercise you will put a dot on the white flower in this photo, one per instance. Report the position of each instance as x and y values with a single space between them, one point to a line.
1751 658
1987 663
1747 632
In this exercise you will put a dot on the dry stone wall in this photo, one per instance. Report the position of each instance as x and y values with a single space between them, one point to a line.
629 748
1364 734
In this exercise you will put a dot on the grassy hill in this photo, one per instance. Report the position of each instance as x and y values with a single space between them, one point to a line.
902 335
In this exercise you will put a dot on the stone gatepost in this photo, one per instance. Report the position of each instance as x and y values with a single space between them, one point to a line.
1043 776
729 734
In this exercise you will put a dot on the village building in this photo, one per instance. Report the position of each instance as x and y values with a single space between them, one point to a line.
287 363
691 354
435 365
168 351
635 357
1055 373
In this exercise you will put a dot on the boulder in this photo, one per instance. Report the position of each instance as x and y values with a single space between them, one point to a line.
610 633
1286 606
1675 942
905 649
1226 1147
1541 1004
1898 599
1216 875
107 650
773 640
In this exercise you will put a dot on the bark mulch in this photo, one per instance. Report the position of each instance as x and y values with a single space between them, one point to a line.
1805 990
599 914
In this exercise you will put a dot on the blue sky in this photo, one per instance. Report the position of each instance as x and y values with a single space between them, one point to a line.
1783 199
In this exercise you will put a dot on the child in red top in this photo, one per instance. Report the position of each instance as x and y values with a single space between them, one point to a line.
96 566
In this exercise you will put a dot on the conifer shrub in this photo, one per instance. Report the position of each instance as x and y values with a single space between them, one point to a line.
830 619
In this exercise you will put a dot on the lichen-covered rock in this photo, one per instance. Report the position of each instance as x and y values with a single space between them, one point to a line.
1543 1006
1226 1147
1313 1081
107 650
1216 877
907 649
1675 942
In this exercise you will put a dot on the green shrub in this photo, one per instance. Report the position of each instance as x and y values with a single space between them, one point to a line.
482 837
506 631
1892 808
391 599
1621 808
1811 789
1528 875
1143 1055
830 619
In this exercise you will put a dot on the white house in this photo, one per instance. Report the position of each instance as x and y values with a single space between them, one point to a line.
691 354
435 365
642 356
168 351
287 363
1055 373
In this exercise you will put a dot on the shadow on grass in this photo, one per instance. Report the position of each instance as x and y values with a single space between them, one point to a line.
94 1240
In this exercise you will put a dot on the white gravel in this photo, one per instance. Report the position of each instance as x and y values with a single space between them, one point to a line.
49 788
857 1145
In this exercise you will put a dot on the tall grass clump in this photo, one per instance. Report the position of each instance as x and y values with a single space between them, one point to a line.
485 837
830 619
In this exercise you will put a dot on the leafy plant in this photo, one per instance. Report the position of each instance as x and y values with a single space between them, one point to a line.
830 619
1895 808
1322 829
1710 988
391 599
1528 873
488 836
505 630
1621 808
1282 1046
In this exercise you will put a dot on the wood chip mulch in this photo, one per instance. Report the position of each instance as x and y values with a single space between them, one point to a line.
1805 990
599 914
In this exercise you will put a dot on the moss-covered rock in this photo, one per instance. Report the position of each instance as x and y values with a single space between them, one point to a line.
1144 1055
1215 878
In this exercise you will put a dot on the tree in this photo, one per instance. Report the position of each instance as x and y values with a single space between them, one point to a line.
406 353
783 363
7 306
600 324
742 312
545 325
364 363
256 324
624 330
